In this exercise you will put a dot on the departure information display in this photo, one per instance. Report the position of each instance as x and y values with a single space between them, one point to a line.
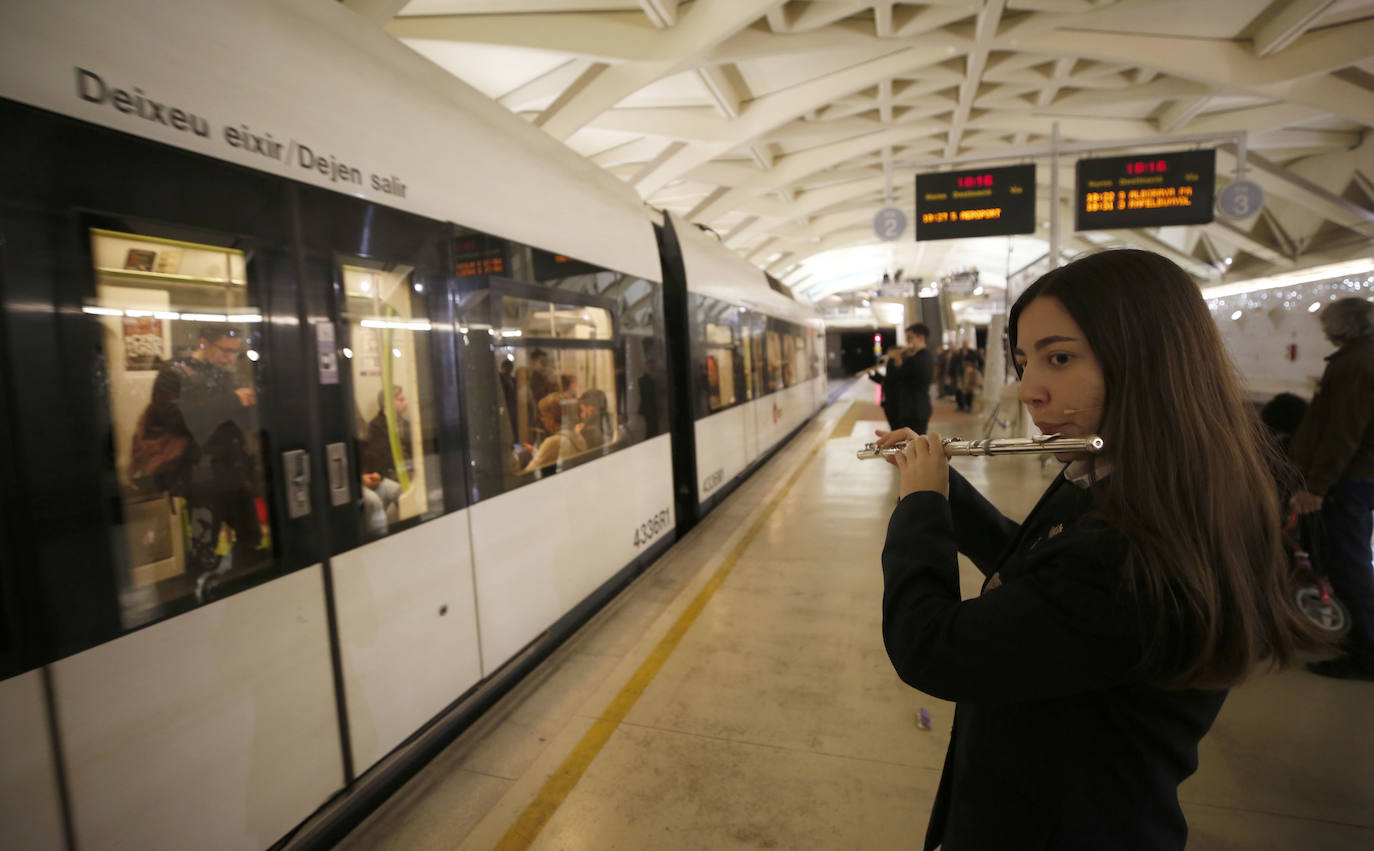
475 255
1145 191
551 267
987 202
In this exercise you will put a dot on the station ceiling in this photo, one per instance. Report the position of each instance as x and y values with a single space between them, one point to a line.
780 124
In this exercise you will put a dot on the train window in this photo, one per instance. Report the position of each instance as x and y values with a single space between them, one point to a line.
641 329
772 348
561 405
814 371
180 337
721 354
720 366
756 348
550 383
561 362
393 408
523 317
789 360
558 369
746 354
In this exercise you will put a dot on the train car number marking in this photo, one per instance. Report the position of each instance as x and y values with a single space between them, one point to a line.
651 528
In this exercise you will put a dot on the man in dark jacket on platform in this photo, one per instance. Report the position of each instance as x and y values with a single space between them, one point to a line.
1334 450
916 371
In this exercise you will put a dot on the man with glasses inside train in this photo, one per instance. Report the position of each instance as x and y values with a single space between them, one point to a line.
198 425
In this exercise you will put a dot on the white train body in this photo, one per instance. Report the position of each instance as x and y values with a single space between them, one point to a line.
228 723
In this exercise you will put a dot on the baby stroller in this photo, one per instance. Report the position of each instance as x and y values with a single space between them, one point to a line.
1311 590
1302 533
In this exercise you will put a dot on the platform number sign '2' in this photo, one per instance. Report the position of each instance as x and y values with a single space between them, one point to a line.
889 223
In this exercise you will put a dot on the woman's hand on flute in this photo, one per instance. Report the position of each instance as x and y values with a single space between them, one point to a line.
924 466
887 438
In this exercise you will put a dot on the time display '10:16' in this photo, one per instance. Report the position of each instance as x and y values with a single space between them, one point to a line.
974 181
1147 167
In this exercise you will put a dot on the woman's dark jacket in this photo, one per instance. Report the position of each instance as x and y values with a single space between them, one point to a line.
1059 740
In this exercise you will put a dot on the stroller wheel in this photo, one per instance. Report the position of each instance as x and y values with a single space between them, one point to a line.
1330 615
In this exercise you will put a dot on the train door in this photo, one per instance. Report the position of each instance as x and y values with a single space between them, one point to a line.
167 491
680 381
30 800
377 293
11 644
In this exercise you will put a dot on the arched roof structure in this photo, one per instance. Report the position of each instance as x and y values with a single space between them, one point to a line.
778 124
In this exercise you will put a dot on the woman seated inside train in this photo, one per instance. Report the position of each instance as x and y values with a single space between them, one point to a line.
558 412
1146 582
381 485
594 424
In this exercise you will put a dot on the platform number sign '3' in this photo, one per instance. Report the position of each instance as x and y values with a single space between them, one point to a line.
889 223
1240 200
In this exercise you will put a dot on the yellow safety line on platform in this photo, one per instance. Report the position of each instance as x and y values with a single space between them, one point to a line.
557 788
844 427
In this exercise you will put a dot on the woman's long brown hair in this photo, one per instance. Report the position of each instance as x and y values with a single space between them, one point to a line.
1192 484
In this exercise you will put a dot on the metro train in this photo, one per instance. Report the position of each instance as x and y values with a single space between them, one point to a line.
336 397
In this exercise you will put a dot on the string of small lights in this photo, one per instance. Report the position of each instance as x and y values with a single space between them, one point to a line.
1310 296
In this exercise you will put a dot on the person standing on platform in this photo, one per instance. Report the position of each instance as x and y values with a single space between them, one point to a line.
941 359
916 371
969 384
1146 582
890 380
1334 450
953 371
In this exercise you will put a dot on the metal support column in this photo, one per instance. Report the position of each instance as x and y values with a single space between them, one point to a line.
1054 197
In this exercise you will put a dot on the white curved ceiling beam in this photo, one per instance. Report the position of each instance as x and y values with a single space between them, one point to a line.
684 123
1286 184
545 87
790 169
601 36
1162 88
376 11
984 32
1286 20
770 111
909 22
705 25
1255 119
1227 63
663 13
808 204
760 43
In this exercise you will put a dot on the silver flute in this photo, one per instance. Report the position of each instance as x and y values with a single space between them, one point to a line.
1045 443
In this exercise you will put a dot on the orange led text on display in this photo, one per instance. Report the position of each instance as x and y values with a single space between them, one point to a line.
1138 199
980 215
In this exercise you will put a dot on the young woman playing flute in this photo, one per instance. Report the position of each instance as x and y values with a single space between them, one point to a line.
1147 581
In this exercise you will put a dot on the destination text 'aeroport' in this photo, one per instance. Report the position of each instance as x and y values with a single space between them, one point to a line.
980 215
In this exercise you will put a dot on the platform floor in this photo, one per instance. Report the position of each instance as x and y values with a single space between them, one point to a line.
738 696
